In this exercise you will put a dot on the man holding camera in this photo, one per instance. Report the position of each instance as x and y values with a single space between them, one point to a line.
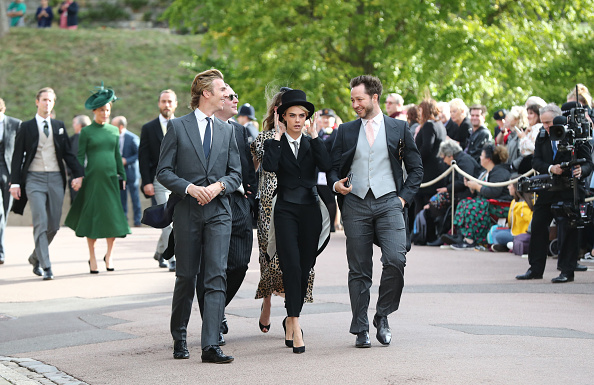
548 157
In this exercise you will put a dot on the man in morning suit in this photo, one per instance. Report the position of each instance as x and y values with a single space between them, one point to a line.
38 175
199 161
241 201
375 205
8 128
547 160
151 137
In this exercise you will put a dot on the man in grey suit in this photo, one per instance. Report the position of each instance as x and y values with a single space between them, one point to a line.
367 159
199 161
8 129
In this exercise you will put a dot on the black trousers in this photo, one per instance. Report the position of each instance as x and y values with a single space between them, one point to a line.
297 228
567 240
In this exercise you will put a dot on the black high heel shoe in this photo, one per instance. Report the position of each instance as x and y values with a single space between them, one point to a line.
300 349
262 327
107 268
288 343
92 271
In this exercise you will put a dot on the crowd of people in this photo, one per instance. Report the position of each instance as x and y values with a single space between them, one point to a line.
212 176
44 16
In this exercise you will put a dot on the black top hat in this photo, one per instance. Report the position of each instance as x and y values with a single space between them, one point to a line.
295 98
247 110
100 98
500 114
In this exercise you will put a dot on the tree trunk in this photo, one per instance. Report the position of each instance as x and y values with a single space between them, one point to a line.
3 19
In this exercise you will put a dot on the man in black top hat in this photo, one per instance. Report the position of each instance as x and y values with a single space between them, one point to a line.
246 117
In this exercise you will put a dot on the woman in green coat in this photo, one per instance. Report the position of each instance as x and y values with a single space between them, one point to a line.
97 209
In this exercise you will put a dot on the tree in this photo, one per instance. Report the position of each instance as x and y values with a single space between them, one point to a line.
491 52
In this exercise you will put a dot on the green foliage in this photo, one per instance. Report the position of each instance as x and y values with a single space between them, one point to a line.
136 64
104 12
492 52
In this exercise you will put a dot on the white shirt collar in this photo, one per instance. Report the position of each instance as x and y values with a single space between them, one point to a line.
40 120
202 116
164 120
377 120
291 140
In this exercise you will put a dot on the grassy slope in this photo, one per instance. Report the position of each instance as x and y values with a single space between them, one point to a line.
136 64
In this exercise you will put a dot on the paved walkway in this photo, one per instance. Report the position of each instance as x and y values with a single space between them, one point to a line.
463 319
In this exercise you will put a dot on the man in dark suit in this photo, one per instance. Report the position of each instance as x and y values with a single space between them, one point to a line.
8 129
199 161
78 123
374 207
129 151
242 202
148 157
38 175
480 134
547 160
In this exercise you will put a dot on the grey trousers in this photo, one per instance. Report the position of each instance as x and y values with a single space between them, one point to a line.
5 203
161 196
363 220
45 191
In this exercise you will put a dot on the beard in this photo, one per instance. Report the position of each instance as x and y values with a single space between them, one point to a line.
167 113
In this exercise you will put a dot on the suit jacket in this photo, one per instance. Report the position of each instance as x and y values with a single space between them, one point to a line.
151 137
182 161
428 140
296 176
345 145
130 153
11 127
248 173
543 158
25 148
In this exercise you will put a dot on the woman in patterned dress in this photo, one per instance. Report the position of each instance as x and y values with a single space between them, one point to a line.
271 276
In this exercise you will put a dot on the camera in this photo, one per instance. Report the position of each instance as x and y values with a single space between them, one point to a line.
570 127
578 215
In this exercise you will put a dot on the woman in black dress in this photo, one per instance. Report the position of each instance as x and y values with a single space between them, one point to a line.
294 157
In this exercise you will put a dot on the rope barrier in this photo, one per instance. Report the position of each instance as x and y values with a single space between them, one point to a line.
454 166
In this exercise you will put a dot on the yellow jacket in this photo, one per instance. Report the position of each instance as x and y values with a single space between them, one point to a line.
519 217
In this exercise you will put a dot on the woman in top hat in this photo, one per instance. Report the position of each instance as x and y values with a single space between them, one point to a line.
97 209
297 216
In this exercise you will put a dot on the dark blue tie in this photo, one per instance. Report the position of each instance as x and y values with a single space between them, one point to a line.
206 141
554 149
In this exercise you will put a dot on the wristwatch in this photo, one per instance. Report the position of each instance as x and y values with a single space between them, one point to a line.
223 187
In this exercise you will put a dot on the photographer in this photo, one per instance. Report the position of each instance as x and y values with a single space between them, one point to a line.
547 160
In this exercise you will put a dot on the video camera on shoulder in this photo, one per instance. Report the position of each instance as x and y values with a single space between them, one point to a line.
571 127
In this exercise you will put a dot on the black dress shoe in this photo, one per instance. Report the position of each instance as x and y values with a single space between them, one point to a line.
37 270
221 339
214 354
362 340
172 266
451 239
47 274
162 263
528 275
562 278
1 259
224 325
384 334
579 267
180 350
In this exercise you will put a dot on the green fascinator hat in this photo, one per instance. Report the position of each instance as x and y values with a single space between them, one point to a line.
100 98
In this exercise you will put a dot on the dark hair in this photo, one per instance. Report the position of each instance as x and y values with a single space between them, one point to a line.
412 115
534 108
480 107
526 197
497 154
275 101
372 85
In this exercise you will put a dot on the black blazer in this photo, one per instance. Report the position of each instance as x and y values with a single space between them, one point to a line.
25 148
543 158
428 140
149 149
296 176
248 173
460 133
345 145
499 173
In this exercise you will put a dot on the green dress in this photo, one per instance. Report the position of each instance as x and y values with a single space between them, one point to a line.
97 209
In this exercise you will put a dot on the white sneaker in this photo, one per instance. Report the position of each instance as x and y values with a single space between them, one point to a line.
510 245
587 258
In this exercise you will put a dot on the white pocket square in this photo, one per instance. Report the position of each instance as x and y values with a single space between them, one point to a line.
61 131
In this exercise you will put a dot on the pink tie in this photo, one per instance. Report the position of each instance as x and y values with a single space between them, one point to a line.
369 132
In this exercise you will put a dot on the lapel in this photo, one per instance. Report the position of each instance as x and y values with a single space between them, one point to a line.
288 149
392 134
56 129
158 130
352 135
191 125
34 136
303 149
218 136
